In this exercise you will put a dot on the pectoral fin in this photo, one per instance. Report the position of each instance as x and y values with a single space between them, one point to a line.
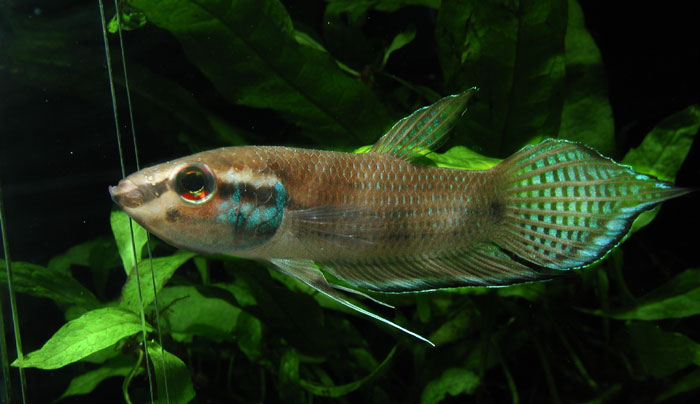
306 271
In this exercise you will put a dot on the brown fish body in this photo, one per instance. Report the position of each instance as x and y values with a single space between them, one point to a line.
370 205
378 221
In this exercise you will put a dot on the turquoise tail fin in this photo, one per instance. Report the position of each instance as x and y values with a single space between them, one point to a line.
567 206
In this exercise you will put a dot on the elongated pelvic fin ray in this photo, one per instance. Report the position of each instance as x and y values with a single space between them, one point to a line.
306 271
425 129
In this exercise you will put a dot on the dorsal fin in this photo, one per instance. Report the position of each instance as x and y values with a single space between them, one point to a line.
425 129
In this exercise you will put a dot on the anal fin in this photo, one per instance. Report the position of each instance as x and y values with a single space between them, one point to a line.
306 271
484 264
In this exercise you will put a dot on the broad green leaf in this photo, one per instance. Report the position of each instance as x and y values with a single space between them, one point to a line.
514 52
663 353
341 390
663 151
87 382
167 366
453 382
121 228
205 312
95 254
163 270
679 297
587 114
453 329
91 332
248 50
463 158
459 157
400 40
56 285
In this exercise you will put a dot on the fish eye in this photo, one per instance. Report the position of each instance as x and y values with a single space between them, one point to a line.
195 184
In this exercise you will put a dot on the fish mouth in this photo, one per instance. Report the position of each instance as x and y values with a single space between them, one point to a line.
127 194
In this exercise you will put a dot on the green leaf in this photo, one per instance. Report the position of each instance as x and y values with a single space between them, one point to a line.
57 285
453 381
87 382
453 329
528 291
587 114
689 382
91 332
357 8
167 366
663 151
679 297
121 228
163 270
248 50
514 52
341 390
400 40
463 158
663 353
130 19
203 311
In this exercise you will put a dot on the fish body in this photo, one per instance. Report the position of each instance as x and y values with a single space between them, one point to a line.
380 222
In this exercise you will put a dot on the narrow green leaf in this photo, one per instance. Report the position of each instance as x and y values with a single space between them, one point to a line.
678 298
163 270
453 382
400 40
248 50
122 234
87 382
179 382
514 52
56 285
91 332
662 353
341 390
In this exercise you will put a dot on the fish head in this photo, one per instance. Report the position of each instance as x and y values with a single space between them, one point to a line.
213 202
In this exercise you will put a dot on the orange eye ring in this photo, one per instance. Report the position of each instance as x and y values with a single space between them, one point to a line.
195 184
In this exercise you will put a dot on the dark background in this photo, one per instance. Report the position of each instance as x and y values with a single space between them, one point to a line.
58 149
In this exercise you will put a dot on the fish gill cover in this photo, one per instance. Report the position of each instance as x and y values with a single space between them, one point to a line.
334 75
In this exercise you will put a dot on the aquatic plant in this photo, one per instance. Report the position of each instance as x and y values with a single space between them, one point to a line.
232 330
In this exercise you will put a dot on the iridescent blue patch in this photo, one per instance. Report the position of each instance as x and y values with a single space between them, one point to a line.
254 214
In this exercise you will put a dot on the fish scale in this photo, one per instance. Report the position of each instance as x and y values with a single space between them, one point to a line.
380 222
408 207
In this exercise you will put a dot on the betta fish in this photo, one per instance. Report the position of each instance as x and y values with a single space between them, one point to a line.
380 222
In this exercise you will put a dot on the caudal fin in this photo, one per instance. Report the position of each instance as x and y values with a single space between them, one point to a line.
567 206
